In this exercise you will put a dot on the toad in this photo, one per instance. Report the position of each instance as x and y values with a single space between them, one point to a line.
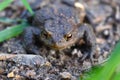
59 26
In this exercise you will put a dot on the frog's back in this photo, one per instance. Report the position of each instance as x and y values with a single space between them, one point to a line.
55 12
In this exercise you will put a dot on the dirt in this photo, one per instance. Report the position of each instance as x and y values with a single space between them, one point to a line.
17 64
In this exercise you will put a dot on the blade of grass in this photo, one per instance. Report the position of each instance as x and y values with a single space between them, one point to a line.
111 65
117 77
12 31
26 4
90 74
4 4
117 74
10 21
107 71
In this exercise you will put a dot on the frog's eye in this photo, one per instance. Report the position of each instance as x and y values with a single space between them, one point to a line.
68 37
45 35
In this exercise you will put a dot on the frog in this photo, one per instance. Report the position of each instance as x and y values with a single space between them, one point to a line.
59 26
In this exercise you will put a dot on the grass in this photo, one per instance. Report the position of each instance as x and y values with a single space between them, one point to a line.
26 4
116 75
109 71
5 4
111 65
12 31
6 20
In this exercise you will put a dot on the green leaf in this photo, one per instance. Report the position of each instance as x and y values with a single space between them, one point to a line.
12 31
26 4
116 75
10 21
111 66
5 4
107 71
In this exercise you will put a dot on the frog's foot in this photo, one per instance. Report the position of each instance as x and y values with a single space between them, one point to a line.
90 41
28 39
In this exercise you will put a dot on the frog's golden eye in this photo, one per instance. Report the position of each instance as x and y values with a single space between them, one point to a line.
68 37
45 35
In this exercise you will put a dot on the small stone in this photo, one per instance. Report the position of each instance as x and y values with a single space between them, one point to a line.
74 51
86 65
79 54
47 64
47 78
17 76
11 75
100 40
98 48
105 55
52 52
1 70
66 75
31 73
9 50
98 51
106 32
79 5
100 60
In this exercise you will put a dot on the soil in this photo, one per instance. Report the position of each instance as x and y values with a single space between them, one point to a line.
17 64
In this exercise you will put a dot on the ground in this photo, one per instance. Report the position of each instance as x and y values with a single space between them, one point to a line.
15 63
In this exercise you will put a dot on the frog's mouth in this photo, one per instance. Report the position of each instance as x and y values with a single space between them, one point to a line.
68 45
63 46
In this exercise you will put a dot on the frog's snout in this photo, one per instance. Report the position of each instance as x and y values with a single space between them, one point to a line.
58 43
57 46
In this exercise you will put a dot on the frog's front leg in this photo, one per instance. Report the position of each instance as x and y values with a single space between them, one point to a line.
86 32
29 38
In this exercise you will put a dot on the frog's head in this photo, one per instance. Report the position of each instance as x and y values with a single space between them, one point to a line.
58 25
59 34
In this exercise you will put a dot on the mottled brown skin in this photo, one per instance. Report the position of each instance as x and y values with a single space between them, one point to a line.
58 26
